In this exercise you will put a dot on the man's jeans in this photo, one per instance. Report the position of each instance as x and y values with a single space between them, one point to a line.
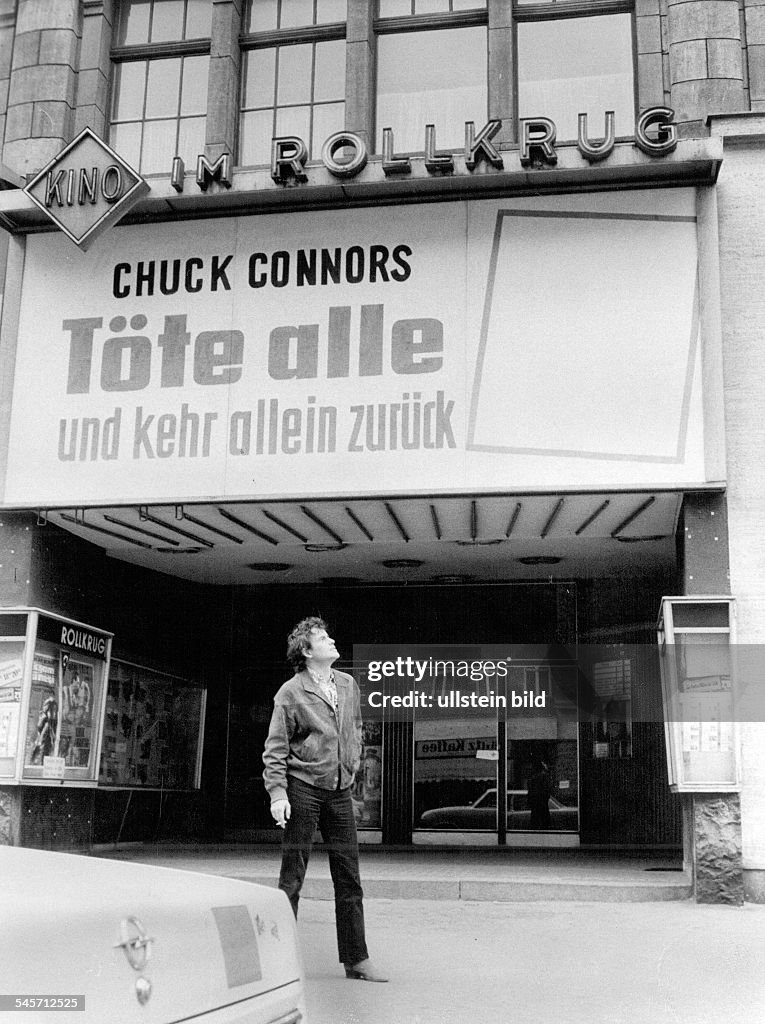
332 811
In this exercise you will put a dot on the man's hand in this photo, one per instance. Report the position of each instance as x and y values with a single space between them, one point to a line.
280 812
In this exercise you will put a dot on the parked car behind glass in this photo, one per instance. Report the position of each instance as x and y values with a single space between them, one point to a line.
482 814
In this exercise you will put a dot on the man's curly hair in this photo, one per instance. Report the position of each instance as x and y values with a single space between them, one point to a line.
300 639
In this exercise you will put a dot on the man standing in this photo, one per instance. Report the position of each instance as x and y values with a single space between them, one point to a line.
311 756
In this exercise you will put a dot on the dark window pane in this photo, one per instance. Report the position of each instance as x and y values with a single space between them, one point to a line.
159 146
134 23
198 19
167 23
331 10
162 88
435 77
259 78
395 8
125 139
577 65
328 118
295 13
262 16
430 6
255 137
194 94
129 86
294 74
191 139
294 121
329 74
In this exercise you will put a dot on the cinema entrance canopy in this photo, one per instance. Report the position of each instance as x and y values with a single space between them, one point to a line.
420 540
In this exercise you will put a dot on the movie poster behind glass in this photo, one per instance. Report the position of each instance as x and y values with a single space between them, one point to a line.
65 701
11 678
152 730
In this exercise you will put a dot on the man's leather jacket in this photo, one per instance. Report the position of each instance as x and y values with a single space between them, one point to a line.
308 740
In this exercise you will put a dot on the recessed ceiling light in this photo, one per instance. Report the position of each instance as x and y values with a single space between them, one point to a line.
325 547
480 543
269 566
539 560
402 563
639 540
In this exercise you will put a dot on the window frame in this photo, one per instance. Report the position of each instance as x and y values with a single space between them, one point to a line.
198 46
250 42
408 23
565 10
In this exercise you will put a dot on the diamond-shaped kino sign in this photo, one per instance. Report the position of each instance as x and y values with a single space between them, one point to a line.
86 188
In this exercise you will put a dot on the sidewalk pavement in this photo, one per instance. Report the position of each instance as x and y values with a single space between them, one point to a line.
461 962
439 874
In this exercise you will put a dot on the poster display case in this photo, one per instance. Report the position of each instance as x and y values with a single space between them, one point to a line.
53 674
696 637
153 730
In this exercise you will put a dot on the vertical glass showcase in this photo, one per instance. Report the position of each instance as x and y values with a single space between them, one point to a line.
53 673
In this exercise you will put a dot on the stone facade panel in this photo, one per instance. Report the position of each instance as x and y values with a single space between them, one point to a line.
93 88
718 862
44 14
645 7
688 61
31 85
756 63
222 109
703 19
52 119
501 100
755 25
58 47
95 43
650 83
648 34
89 116
26 50
18 123
358 86
6 817
693 100
724 58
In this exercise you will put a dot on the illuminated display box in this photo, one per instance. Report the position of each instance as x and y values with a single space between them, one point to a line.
53 672
696 638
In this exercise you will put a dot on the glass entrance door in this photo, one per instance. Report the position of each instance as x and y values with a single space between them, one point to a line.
542 755
455 773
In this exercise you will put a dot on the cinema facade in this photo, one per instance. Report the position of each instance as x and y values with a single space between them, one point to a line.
347 310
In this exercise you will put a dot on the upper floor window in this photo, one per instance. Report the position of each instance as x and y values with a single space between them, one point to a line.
268 15
293 82
163 21
159 88
431 72
573 65
401 8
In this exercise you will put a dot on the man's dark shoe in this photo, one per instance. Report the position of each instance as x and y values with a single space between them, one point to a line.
365 970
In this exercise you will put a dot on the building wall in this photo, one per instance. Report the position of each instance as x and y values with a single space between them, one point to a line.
742 265
701 57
